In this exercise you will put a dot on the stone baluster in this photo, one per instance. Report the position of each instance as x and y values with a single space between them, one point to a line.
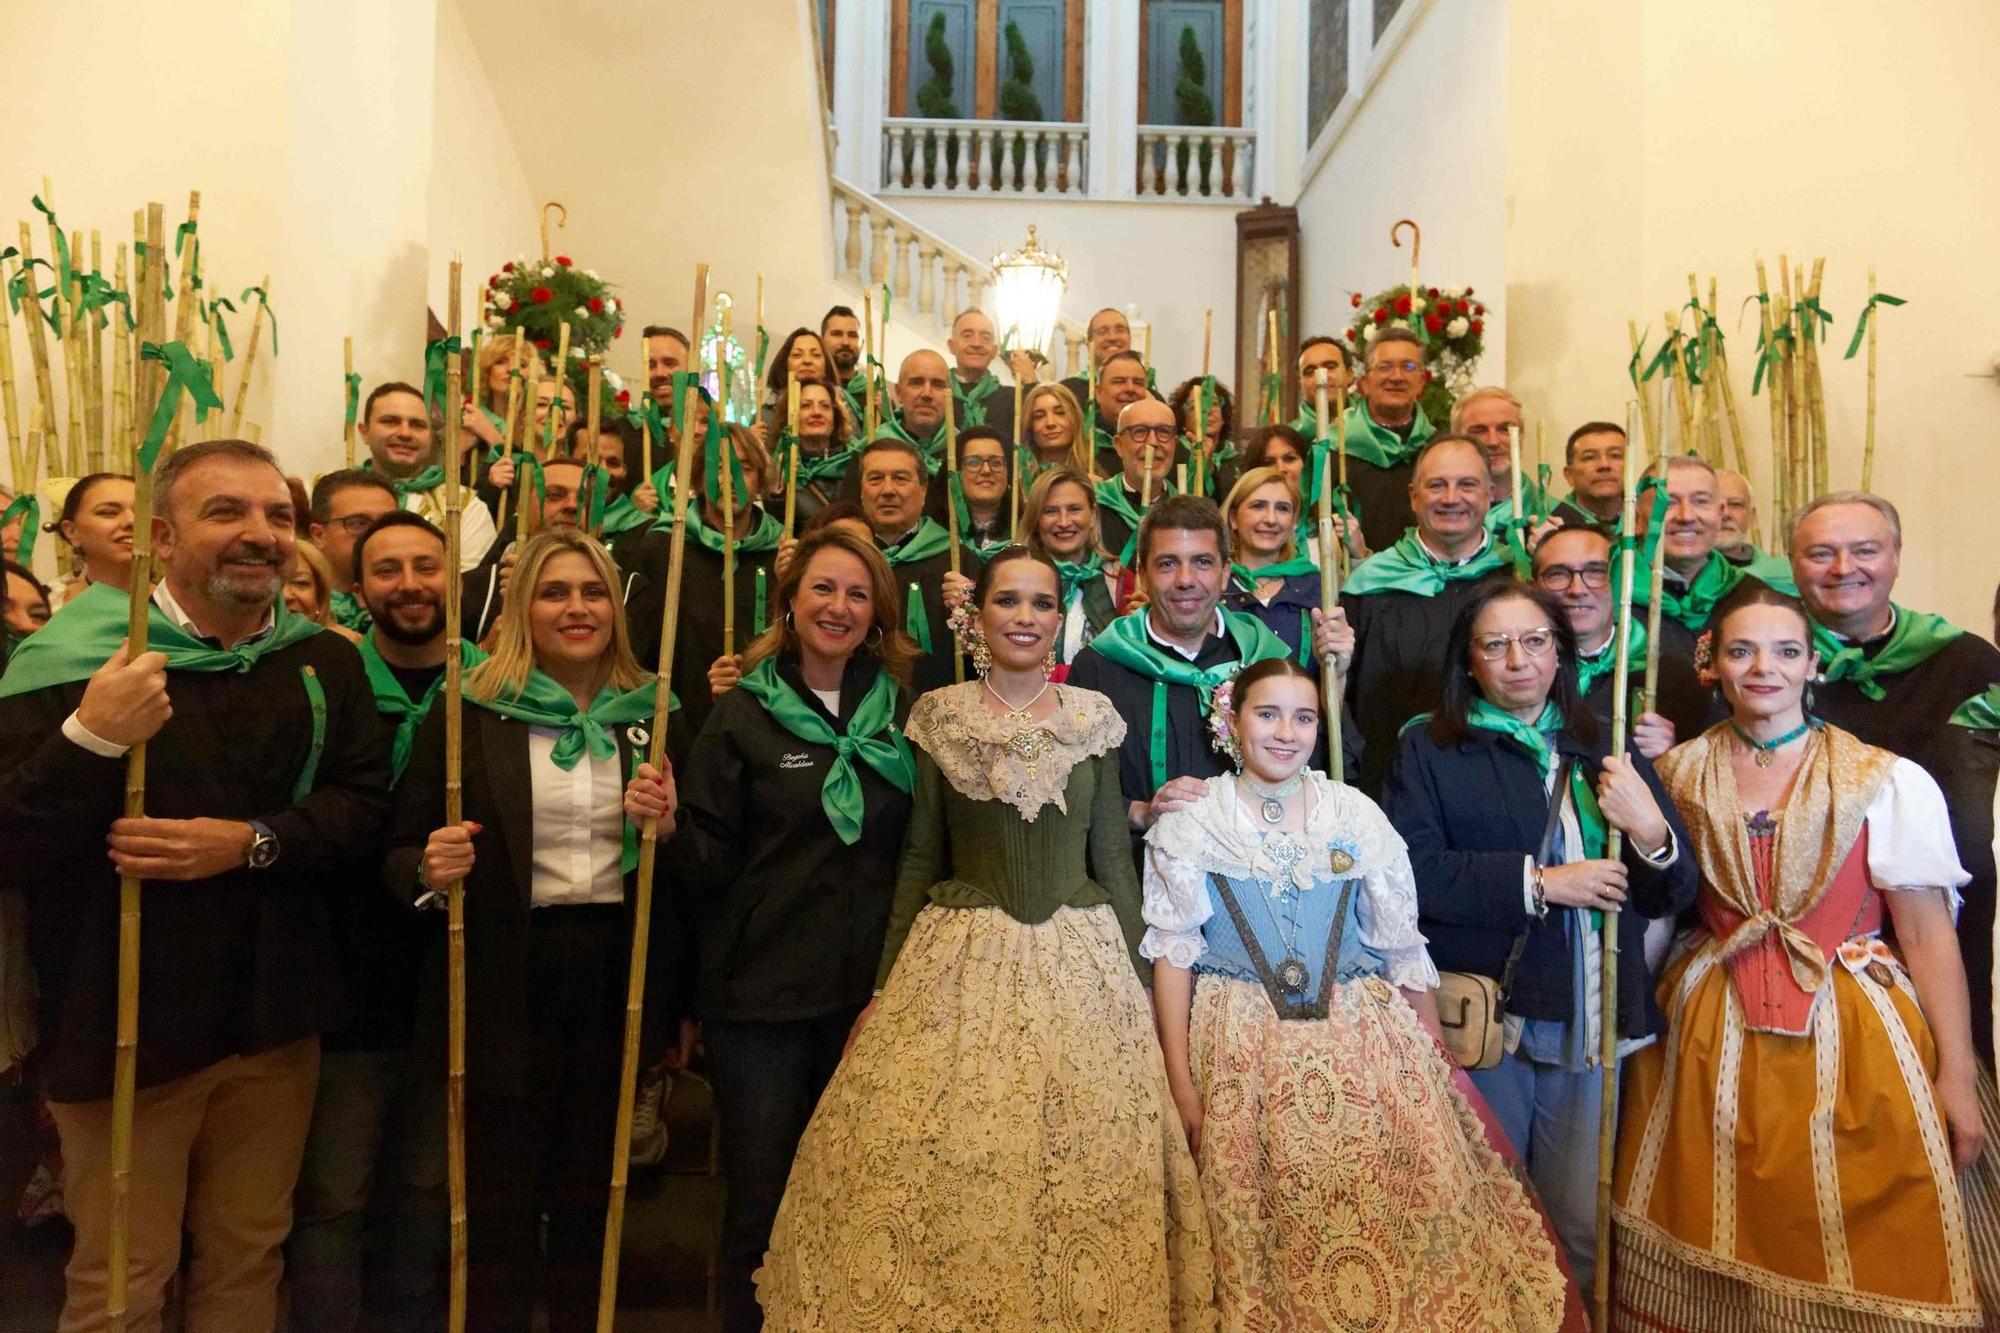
969 142
976 280
1073 362
951 271
998 178
1072 167
926 288
878 249
851 252
902 285
1215 182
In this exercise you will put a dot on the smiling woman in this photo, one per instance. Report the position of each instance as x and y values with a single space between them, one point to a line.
96 521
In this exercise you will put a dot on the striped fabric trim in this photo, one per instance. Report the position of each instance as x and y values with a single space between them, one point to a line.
1728 1109
1819 1134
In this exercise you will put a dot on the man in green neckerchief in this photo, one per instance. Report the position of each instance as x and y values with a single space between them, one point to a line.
1913 683
1121 382
1594 467
1318 353
1107 334
840 335
1143 474
1697 575
1738 541
922 383
982 399
346 504
375 1155
1485 416
404 451
894 482
1385 428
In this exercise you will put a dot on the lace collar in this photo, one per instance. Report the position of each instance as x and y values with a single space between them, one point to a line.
1216 833
986 757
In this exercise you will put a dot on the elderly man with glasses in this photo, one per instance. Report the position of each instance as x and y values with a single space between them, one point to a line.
1385 429
1575 563
1146 440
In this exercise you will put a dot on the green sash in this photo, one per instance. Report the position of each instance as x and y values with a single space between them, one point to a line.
1590 670
972 401
1378 444
1126 642
392 701
1716 580
1408 567
1535 740
871 735
1917 638
1247 578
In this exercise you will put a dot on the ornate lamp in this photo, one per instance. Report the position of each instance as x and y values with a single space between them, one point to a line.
1027 295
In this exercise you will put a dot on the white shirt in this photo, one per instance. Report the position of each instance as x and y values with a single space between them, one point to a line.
1449 562
579 823
1218 630
831 698
476 532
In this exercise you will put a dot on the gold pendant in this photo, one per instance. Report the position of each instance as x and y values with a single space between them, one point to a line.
1764 758
1343 861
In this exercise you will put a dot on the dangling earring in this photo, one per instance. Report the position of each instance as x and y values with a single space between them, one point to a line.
1049 663
982 656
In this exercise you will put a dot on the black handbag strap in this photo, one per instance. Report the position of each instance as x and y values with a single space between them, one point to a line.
1288 1009
1543 851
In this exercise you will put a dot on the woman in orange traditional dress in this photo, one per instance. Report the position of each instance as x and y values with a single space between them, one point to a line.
1787 1155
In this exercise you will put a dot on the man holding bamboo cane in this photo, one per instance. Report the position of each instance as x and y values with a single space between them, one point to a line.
269 772
403 450
1385 428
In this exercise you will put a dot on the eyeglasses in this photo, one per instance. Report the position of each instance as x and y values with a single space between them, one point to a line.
355 524
1557 577
982 465
1534 642
1407 367
1157 434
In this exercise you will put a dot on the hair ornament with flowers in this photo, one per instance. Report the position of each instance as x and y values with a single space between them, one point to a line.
1222 723
1704 658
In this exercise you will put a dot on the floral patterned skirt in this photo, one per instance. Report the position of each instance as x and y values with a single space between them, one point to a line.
1349 1183
999 1150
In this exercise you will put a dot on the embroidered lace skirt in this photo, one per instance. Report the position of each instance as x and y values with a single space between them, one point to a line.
1798 1182
1349 1184
998 1151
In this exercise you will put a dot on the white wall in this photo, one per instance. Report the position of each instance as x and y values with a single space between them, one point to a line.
481 206
1412 150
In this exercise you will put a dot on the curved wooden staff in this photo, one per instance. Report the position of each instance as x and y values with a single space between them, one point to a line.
1329 589
642 905
454 814
562 221
1607 1022
1416 249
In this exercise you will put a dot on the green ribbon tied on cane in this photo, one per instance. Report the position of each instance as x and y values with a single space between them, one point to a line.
213 312
1807 311
1861 324
435 354
18 289
871 736
1669 350
353 397
65 272
264 299
186 373
94 292
1770 351
26 507
711 443
885 306
763 351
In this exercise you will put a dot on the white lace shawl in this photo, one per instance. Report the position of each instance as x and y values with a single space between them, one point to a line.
969 744
1217 834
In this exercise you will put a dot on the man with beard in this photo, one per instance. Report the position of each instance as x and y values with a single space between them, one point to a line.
1594 467
268 774
1575 564
346 504
894 482
1911 682
1738 537
370 1219
1161 663
981 399
403 451
1697 576
1402 601
1385 429
840 335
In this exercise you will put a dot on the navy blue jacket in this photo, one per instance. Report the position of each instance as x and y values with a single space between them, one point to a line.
1470 812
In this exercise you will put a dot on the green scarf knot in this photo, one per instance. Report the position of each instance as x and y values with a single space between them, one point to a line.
393 701
543 703
1918 637
1535 739
871 736
1409 567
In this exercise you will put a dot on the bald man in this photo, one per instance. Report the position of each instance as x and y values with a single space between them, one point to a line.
916 418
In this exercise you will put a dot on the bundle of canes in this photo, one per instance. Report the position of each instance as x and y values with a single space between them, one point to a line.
642 904
1329 589
1607 933
454 813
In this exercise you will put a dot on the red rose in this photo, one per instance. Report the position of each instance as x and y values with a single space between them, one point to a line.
596 305
1476 326
1356 298
563 260
624 395
1434 323
1432 293
544 344
1381 316
1479 310
1468 291
507 267
618 332
541 296
1402 305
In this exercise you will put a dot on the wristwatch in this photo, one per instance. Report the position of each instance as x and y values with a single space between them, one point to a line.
263 846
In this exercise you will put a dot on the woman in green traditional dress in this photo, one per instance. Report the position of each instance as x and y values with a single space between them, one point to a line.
556 720
999 1149
798 791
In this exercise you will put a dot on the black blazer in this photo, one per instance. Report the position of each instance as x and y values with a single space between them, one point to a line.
499 795
1470 812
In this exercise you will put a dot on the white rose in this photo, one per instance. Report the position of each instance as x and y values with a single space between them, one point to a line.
1416 305
548 272
610 306
611 377
502 300
1371 333
582 313
1457 328
591 273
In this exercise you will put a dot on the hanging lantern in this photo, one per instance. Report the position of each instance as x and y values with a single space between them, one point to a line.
1027 295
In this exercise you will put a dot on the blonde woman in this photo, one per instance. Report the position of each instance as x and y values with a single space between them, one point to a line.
308 588
555 722
1273 578
1060 518
1052 431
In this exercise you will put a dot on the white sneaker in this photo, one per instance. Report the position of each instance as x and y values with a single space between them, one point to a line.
649 1122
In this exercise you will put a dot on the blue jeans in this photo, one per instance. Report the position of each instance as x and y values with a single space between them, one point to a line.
371 1224
1550 1115
768 1078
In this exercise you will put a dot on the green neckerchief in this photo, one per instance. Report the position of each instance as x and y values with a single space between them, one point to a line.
1979 713
892 428
818 467
1111 495
1716 580
349 611
1917 637
424 482
871 735
391 700
1501 514
1126 642
1408 567
763 535
1075 573
1248 578
1378 444
979 546
82 636
928 539
543 703
1535 740
972 400
621 516
28 509
1590 670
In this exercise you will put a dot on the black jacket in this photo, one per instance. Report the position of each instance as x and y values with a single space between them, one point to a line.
1470 813
239 963
791 919
698 640
499 795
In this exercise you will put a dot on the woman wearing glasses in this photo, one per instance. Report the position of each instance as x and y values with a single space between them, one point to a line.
985 519
1505 796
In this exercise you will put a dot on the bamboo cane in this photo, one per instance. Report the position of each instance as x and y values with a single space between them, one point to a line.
510 442
119 443
1782 319
93 410
10 398
249 359
1607 1024
353 432
1014 487
64 308
594 412
1719 372
1815 389
185 297
645 428
150 376
1780 492
531 392
1200 431
38 335
792 473
872 414
1274 410
1520 517
1867 429
1329 590
1678 387
952 478
454 813
642 908
726 482
561 375
214 377
1639 387
1340 450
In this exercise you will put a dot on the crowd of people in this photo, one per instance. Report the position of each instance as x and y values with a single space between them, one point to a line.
1044 974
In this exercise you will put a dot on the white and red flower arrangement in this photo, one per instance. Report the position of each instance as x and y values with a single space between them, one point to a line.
535 297
1452 323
